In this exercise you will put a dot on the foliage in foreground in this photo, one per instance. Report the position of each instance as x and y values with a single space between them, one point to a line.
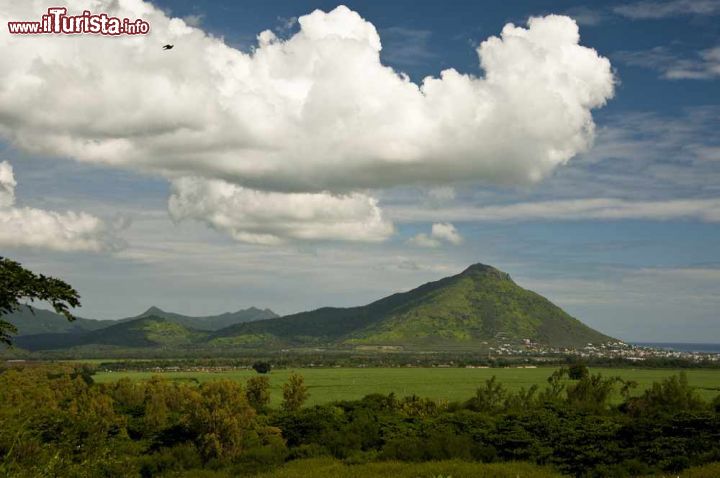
323 467
54 421
20 284
706 471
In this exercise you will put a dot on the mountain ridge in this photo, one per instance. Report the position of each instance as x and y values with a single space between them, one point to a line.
470 310
147 331
33 321
480 304
210 322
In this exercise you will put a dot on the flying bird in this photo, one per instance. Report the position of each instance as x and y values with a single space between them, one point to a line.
168 47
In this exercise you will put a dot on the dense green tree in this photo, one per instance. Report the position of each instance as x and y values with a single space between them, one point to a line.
553 393
490 398
262 367
672 395
592 392
221 418
578 371
522 400
415 406
18 284
716 404
295 392
257 391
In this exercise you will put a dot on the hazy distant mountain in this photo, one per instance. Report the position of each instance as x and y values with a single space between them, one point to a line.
211 322
40 329
30 321
480 304
150 331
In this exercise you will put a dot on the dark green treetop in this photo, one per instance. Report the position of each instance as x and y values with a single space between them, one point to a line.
18 283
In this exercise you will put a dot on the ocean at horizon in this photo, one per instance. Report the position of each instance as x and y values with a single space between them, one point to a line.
682 346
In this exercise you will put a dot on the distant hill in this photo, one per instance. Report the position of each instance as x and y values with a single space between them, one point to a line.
481 304
33 321
40 329
150 331
30 321
211 322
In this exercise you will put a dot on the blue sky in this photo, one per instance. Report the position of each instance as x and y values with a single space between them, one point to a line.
625 236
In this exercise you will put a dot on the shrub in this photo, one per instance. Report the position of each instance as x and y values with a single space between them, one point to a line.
261 367
295 392
578 371
257 391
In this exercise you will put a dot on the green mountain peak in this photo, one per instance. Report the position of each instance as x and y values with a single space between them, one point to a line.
481 304
153 310
485 270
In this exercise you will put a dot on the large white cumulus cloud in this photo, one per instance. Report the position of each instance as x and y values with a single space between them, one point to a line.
271 218
38 228
315 113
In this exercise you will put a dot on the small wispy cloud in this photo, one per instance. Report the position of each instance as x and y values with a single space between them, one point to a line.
644 156
707 210
655 10
442 193
587 16
702 65
630 286
440 233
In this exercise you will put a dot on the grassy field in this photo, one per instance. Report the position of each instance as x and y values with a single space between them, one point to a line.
324 467
330 384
